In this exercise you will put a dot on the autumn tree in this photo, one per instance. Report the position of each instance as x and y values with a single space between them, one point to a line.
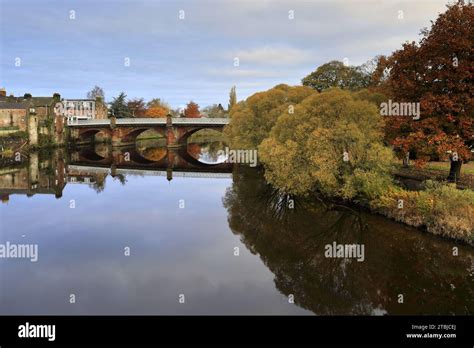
232 98
156 111
192 110
436 72
333 144
252 119
157 108
118 107
336 74
158 102
137 107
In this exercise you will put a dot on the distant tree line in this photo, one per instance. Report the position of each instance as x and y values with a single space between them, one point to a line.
121 107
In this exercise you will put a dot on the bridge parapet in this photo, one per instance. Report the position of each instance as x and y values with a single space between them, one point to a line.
86 123
140 121
183 121
200 121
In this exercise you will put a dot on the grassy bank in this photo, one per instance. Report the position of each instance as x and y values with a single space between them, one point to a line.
441 209
437 171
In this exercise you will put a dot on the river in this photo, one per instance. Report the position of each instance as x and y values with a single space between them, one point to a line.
146 230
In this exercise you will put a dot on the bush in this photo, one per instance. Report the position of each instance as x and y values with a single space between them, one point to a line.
441 208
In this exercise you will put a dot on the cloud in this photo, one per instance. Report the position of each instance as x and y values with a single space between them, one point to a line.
271 56
192 58
247 73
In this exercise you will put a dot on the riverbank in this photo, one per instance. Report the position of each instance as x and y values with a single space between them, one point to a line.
314 149
437 171
440 209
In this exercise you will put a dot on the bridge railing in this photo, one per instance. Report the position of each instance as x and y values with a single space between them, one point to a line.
140 121
201 120
150 121
90 122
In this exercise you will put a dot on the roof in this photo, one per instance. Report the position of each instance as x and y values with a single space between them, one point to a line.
41 101
13 105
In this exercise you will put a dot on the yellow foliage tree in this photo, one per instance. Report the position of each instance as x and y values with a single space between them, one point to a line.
252 119
332 143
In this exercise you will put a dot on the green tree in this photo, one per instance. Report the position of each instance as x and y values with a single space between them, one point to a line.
336 74
119 108
252 119
333 144
232 98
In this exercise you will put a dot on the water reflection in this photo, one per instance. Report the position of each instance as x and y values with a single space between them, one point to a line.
49 171
398 259
131 197
208 153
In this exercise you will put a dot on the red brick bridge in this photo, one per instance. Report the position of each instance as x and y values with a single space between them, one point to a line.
124 131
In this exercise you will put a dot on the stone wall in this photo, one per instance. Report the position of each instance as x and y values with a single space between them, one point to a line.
13 118
33 130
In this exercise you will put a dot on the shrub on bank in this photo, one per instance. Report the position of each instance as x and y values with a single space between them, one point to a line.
442 209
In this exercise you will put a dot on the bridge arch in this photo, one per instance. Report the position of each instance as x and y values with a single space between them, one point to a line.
89 155
128 135
183 139
88 135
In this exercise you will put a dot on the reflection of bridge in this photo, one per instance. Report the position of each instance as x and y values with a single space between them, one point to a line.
161 162
124 131
119 171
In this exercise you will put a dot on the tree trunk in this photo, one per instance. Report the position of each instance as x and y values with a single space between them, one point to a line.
406 160
454 171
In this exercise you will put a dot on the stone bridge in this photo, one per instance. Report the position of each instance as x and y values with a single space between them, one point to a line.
124 131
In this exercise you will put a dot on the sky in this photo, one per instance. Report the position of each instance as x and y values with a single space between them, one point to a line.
193 49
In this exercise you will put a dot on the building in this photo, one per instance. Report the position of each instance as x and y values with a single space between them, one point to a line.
12 117
43 119
83 109
32 115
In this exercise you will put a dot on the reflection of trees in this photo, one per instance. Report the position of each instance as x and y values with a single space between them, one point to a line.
99 185
209 149
121 178
291 244
153 153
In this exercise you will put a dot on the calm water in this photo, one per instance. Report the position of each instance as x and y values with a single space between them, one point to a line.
183 218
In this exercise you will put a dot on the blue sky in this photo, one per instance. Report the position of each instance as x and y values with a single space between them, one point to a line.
193 58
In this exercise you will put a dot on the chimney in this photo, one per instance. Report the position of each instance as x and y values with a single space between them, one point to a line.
3 92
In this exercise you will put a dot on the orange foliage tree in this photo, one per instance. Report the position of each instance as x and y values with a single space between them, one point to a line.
156 111
438 73
192 110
